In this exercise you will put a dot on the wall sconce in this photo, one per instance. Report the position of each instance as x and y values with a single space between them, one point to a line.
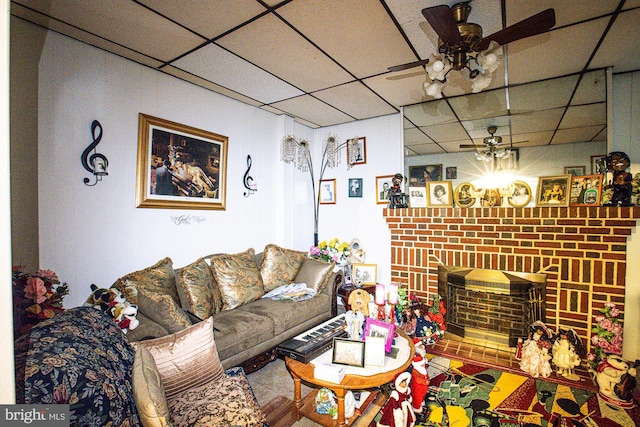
97 163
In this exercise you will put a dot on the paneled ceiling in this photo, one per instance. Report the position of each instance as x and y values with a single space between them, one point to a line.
324 62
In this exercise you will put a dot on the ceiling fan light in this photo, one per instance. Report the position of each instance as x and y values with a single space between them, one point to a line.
490 58
434 88
438 67
481 82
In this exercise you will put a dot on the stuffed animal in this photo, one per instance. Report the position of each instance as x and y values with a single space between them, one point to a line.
125 316
359 301
611 373
103 299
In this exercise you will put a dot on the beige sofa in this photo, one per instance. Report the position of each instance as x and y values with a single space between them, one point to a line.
229 288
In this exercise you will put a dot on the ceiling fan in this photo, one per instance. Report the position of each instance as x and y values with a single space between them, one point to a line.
491 142
460 41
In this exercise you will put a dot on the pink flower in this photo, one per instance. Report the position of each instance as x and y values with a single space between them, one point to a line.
614 312
607 324
35 290
610 304
47 274
600 318
18 268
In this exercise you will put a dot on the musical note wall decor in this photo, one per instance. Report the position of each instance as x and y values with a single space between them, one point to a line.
249 182
97 163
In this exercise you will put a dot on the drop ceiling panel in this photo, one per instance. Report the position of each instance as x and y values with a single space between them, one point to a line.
313 110
426 149
620 47
567 11
123 22
584 134
532 139
356 100
542 95
556 53
217 65
209 18
270 44
416 137
430 113
536 121
446 132
592 88
480 105
363 38
399 91
584 115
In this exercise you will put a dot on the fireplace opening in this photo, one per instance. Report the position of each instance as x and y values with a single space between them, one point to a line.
491 306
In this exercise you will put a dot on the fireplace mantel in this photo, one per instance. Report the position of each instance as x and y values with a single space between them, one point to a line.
582 251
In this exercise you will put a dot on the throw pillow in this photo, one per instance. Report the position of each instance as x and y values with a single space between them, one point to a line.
186 359
238 278
163 310
195 287
279 266
160 278
314 273
148 391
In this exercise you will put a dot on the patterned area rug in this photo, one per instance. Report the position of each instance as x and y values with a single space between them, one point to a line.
465 394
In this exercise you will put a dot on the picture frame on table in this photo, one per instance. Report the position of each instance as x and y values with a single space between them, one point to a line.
418 197
464 195
374 351
586 190
420 175
355 187
378 328
368 273
553 190
520 195
348 352
574 170
180 166
439 194
383 187
328 192
357 152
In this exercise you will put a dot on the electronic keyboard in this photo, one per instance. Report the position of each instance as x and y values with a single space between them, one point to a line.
312 343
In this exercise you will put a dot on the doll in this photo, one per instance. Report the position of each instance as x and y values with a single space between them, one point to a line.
535 351
567 352
398 411
419 382
618 162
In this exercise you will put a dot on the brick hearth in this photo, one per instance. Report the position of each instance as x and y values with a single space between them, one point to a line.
582 251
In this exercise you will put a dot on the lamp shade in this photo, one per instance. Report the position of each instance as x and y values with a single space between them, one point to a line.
438 67
434 88
491 58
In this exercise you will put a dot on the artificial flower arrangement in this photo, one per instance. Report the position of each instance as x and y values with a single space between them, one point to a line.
36 297
331 251
607 335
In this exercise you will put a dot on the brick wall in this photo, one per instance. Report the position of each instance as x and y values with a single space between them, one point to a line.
582 250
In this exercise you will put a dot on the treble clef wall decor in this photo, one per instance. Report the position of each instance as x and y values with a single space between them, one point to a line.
97 163
249 183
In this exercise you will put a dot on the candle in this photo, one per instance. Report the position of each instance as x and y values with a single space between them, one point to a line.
380 294
393 293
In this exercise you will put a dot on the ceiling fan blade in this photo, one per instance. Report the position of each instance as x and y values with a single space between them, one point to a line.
442 21
409 65
536 24
469 146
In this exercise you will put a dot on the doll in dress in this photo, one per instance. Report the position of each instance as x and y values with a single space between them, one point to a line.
567 352
398 411
535 351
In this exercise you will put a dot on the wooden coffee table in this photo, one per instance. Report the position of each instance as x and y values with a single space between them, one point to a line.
304 372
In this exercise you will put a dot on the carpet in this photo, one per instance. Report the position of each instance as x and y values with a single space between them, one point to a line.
468 394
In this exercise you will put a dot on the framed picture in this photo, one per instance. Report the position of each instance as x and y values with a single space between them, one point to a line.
491 198
420 175
520 194
464 195
378 328
574 170
418 197
439 194
383 184
357 152
586 190
179 166
368 273
598 164
553 190
348 352
452 172
355 187
374 351
328 192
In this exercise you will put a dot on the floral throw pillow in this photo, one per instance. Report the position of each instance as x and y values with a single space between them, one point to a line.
159 279
195 282
279 266
238 278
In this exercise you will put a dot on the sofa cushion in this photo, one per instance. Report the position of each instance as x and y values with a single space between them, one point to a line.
279 266
158 279
195 287
314 273
237 330
238 278
148 391
163 310
81 358
223 403
186 359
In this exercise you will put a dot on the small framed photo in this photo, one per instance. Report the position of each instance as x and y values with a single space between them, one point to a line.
374 352
418 197
598 164
553 190
452 172
464 195
348 352
520 194
378 328
383 185
574 170
420 175
367 273
328 192
439 194
355 187
357 151
586 190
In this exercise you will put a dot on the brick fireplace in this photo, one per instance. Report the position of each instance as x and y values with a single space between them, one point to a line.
580 250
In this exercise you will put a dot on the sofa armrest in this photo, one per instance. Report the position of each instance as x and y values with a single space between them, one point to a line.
335 281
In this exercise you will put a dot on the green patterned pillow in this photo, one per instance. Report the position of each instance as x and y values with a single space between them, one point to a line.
279 266
163 310
158 279
195 283
315 273
238 278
